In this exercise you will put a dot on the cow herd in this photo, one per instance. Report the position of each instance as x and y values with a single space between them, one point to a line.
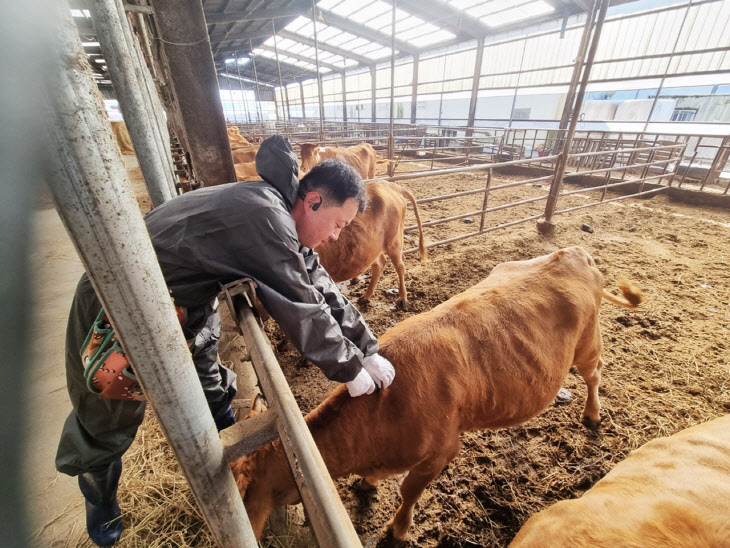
492 357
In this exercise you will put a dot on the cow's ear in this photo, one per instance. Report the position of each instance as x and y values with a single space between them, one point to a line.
258 405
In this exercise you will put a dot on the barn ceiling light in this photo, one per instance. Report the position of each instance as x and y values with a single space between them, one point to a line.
89 44
100 61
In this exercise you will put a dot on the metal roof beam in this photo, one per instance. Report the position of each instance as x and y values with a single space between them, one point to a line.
363 31
257 14
446 17
326 47
299 58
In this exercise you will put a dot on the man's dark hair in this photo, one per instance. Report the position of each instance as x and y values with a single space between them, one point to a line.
336 181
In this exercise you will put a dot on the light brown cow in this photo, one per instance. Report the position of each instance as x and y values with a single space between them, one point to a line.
235 138
671 492
243 155
491 357
372 237
362 157
246 172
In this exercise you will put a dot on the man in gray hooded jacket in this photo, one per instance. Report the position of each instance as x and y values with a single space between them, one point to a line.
264 230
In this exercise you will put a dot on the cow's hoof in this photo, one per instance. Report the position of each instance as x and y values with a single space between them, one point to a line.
401 305
363 302
390 539
364 486
590 423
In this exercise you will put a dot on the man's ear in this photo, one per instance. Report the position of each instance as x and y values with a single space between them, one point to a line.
313 200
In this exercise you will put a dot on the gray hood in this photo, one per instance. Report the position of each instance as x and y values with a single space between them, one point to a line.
277 164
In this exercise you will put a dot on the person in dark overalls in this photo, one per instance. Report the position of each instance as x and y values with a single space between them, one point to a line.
266 230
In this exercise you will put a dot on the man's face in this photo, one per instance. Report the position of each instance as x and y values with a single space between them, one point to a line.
322 224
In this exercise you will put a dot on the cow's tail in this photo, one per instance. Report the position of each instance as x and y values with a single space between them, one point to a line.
421 241
632 296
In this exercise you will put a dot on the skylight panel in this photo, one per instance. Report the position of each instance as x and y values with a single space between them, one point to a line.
381 21
357 43
297 24
464 4
327 33
340 39
347 8
327 4
431 38
517 14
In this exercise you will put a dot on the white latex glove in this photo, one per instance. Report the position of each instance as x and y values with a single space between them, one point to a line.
362 384
380 369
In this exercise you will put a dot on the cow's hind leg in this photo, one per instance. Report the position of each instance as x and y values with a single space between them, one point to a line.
376 270
591 373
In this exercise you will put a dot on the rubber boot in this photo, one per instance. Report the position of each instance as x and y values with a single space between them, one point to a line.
224 419
103 516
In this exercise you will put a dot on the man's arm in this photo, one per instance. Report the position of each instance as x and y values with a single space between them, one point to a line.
351 322
301 310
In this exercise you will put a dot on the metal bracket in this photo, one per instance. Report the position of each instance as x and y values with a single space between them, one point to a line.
245 287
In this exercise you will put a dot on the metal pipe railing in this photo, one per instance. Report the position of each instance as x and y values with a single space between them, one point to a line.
106 226
328 517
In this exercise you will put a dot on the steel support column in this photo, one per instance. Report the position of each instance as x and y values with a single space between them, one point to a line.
194 82
546 226
138 99
319 75
372 94
391 138
475 87
414 91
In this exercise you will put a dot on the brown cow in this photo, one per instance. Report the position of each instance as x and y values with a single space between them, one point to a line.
247 172
371 237
671 492
243 155
235 138
362 157
491 357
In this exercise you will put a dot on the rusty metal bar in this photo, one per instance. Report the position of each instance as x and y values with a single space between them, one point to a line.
328 517
486 199
472 234
645 193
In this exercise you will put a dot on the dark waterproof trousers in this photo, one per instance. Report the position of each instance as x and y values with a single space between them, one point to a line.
99 431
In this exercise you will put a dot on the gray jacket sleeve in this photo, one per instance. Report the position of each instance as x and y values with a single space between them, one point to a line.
351 322
304 311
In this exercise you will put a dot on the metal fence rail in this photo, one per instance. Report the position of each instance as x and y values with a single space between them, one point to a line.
329 519
606 166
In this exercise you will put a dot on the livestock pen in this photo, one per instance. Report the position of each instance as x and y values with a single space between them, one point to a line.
667 368
520 129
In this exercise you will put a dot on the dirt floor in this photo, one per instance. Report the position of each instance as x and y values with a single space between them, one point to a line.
667 367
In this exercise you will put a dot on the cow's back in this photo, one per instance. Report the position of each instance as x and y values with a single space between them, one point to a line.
500 350
671 492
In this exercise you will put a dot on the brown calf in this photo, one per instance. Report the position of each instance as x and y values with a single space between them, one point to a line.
246 171
362 157
371 237
671 492
491 357
243 155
